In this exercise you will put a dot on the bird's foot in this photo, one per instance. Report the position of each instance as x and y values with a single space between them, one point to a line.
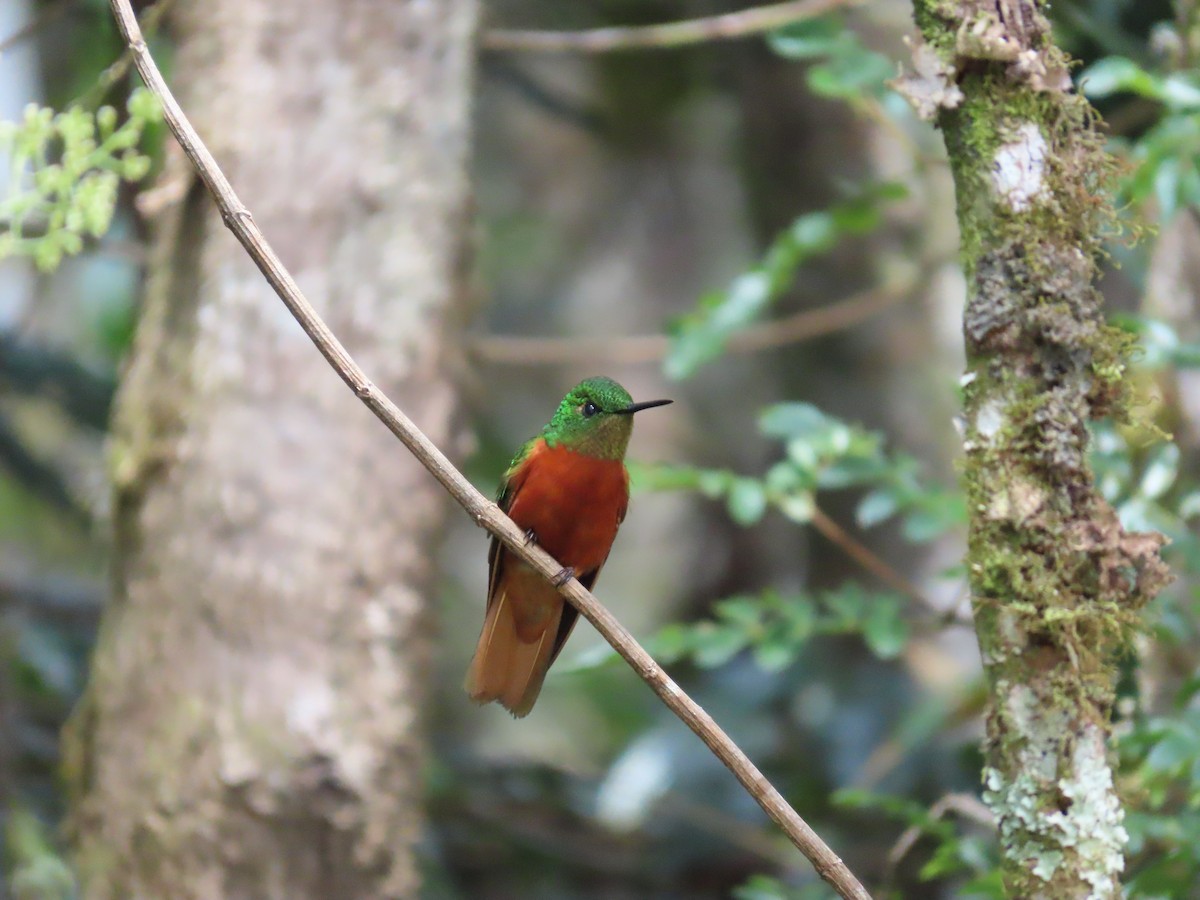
530 536
564 575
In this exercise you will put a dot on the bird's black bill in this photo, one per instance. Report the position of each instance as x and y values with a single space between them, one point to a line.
638 407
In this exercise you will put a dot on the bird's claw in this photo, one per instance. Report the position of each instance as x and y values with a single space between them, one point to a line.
564 575
530 536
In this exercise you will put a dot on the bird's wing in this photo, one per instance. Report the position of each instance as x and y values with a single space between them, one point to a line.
510 486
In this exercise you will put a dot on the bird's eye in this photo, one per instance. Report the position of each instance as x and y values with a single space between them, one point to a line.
589 409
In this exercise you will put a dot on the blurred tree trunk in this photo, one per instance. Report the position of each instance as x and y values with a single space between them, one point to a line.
252 727
1055 580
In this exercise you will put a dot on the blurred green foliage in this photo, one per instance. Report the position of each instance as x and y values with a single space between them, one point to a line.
700 336
70 165
775 627
821 452
763 659
840 66
1166 156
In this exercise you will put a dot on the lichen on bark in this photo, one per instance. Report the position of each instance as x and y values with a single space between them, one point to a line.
1056 581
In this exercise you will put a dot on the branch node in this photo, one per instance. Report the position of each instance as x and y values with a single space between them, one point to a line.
233 216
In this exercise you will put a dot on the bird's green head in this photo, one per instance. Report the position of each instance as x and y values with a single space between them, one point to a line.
595 419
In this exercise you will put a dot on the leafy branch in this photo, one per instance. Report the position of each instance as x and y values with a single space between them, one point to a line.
821 452
701 335
66 169
775 627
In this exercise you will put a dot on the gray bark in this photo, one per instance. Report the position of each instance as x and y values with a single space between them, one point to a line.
1056 582
252 726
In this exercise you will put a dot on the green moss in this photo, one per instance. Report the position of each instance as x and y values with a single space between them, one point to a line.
1055 580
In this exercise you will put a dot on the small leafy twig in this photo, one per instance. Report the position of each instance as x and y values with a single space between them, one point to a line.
485 513
670 34
54 205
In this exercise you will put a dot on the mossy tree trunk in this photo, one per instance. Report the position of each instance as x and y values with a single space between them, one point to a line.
1056 582
251 728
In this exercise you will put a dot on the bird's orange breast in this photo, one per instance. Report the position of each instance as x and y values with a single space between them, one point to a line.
573 503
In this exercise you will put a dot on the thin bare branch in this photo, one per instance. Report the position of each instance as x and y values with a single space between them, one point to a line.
152 17
651 348
866 557
968 806
669 34
485 513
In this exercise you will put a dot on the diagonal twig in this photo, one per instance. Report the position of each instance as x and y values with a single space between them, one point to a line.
486 513
737 24
866 557
968 806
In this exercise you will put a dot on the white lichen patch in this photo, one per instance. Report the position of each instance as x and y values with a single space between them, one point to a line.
989 420
1026 499
1019 168
1041 71
931 84
1044 820
1012 634
1017 806
986 37
1093 823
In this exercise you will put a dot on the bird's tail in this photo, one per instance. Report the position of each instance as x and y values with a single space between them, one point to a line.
507 668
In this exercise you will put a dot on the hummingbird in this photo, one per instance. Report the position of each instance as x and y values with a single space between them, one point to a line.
569 490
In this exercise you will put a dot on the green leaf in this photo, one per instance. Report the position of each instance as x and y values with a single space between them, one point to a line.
792 420
747 501
852 74
1178 746
700 336
643 477
798 507
848 604
106 120
884 630
776 650
924 525
1162 466
1115 74
712 483
144 106
713 645
877 506
671 644
801 617
1181 91
808 39
745 612
1189 505
850 469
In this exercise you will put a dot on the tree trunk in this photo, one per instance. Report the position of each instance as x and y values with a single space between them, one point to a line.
1055 580
252 727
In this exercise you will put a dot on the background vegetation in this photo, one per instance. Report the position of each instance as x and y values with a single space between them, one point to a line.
794 543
